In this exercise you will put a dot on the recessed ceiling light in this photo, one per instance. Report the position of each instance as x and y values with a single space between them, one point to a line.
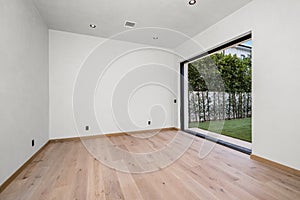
93 26
155 38
192 2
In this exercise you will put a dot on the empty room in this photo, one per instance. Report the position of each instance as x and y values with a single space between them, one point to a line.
149 100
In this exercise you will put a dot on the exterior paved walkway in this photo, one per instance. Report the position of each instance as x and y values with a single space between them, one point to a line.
224 138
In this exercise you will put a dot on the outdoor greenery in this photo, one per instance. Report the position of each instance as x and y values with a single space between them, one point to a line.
220 89
236 128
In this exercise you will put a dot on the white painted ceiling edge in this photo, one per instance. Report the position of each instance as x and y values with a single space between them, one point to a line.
176 20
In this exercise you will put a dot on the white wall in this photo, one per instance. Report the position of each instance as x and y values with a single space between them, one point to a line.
275 28
23 84
69 51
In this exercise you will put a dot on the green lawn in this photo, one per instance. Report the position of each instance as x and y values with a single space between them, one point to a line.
236 128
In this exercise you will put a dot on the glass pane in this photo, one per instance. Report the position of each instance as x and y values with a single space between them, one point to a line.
228 101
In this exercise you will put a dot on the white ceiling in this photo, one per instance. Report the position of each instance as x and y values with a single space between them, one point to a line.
110 15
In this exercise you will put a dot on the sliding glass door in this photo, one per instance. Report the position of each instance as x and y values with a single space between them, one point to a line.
217 93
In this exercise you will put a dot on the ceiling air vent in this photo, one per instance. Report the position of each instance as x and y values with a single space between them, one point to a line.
129 24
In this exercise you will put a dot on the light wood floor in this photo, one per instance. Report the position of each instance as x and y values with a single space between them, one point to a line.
65 170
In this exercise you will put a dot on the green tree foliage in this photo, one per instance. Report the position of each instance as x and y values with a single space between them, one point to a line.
219 74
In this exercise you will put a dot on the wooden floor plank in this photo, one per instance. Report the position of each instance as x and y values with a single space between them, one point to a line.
66 170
